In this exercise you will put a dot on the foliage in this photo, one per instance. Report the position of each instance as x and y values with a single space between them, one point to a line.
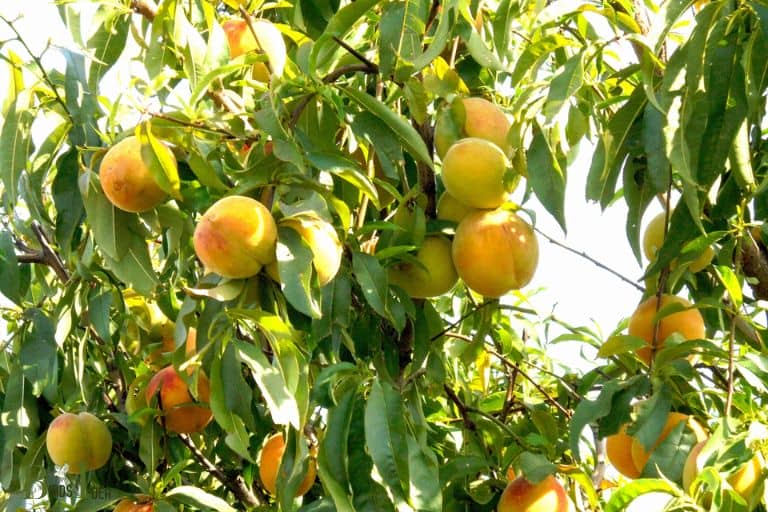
410 404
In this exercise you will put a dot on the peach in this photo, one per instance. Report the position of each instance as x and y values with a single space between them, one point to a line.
450 208
81 441
126 179
521 495
640 455
181 413
481 119
689 323
495 251
743 481
473 173
437 275
235 237
324 243
618 449
271 456
241 40
653 239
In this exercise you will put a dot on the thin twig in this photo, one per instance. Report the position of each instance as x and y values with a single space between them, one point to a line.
47 255
590 259
236 484
359 56
40 66
463 410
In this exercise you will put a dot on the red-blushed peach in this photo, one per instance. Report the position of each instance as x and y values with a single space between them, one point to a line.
235 237
521 495
81 441
482 119
180 412
495 251
241 40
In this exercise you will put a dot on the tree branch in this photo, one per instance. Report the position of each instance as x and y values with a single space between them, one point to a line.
590 259
235 484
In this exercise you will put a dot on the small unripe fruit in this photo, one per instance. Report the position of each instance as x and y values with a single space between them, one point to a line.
473 173
436 277
495 251
521 495
126 179
688 323
235 237
82 442
269 461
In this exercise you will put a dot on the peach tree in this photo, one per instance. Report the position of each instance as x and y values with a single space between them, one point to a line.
319 220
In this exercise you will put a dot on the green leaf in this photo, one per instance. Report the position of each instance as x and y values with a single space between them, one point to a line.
135 266
107 43
159 160
347 170
535 54
446 19
620 344
372 279
222 396
402 129
339 24
423 471
401 32
564 86
67 199
730 280
385 436
627 493
606 165
282 405
197 497
294 258
333 462
15 148
150 451
10 276
546 174
536 467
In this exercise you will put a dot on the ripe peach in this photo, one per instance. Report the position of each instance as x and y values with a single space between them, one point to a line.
640 455
521 495
450 208
743 481
181 412
126 179
82 442
495 251
689 323
270 40
436 277
653 239
481 119
236 237
473 173
131 505
169 345
271 456
618 449
324 242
